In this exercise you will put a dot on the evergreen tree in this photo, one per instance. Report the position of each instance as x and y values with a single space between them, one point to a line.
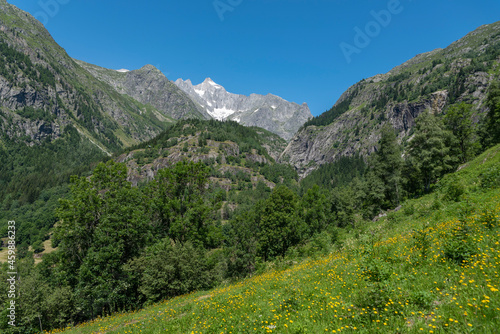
458 120
344 202
243 242
387 166
314 209
280 225
491 129
430 151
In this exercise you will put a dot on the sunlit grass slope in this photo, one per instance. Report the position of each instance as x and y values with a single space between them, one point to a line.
432 267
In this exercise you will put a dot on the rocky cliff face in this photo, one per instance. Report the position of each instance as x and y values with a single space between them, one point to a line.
353 133
429 82
269 112
149 85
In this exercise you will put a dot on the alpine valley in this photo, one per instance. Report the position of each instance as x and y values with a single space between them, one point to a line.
185 208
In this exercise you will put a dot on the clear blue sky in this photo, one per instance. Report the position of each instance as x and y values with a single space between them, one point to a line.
290 48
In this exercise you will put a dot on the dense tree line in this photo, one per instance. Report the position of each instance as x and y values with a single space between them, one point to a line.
32 178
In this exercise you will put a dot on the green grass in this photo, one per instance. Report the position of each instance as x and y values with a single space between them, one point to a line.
402 274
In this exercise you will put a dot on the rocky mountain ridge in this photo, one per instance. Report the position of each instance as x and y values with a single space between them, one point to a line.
269 112
431 81
149 85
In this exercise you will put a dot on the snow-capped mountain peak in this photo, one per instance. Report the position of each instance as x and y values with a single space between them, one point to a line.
270 112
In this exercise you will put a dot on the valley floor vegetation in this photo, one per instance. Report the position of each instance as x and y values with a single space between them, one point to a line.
431 267
306 256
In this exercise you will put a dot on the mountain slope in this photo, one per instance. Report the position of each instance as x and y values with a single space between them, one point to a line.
228 148
56 120
42 90
269 112
149 86
430 81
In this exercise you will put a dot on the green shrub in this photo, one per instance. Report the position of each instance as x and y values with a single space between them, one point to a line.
290 301
409 209
375 296
38 247
489 219
459 245
422 241
490 178
454 190
167 270
422 299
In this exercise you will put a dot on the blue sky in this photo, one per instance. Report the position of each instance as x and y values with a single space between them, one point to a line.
289 48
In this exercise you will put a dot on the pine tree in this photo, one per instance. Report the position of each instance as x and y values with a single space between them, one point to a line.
388 165
491 134
430 150
315 211
458 119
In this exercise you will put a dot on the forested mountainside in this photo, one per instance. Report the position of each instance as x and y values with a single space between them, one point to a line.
56 120
225 147
433 81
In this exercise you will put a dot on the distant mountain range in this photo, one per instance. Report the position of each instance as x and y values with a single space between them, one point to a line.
43 91
150 86
269 112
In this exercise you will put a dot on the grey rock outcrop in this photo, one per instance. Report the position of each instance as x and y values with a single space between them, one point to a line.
314 146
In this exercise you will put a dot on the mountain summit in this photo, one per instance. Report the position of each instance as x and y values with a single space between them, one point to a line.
149 85
270 112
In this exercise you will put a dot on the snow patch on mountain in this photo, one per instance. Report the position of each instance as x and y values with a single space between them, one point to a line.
221 114
270 112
